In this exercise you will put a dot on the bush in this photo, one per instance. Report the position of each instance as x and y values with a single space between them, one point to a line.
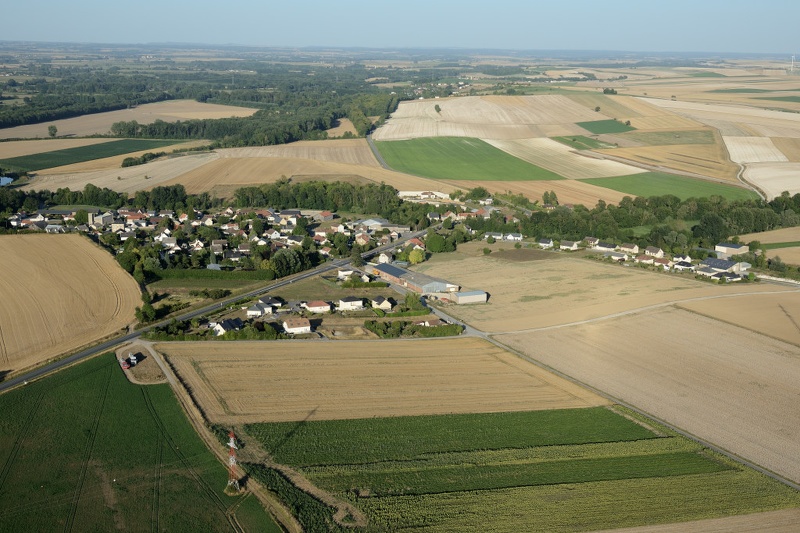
486 251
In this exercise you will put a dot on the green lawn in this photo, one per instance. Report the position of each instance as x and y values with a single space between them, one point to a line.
658 184
458 158
69 156
605 126
659 138
581 142
86 450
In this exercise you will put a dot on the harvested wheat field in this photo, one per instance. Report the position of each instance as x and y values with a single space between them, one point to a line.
783 521
725 384
753 149
100 123
59 292
776 235
789 147
244 382
774 315
343 125
350 151
774 178
492 117
229 173
709 160
562 159
561 289
129 179
568 191
11 149
787 255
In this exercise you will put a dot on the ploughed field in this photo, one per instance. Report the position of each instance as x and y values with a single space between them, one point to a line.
59 292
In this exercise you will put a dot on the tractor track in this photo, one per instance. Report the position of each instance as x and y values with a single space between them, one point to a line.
87 454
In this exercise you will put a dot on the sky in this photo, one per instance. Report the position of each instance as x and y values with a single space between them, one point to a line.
721 26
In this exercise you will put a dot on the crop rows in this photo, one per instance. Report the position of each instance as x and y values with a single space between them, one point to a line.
80 154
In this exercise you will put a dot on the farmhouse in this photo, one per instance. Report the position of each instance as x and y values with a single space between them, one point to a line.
350 303
297 325
470 297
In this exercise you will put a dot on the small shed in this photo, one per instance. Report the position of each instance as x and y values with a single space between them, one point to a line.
470 297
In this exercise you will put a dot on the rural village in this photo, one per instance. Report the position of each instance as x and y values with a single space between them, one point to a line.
347 290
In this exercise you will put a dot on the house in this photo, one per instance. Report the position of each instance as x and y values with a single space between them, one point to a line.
416 243
727 276
515 237
591 241
470 297
324 216
629 248
54 228
317 306
244 248
272 234
385 257
258 309
344 274
683 265
362 239
379 302
434 216
726 249
654 251
601 246
350 303
570 246
216 249
325 252
663 262
616 256
644 259
229 324
297 325
545 243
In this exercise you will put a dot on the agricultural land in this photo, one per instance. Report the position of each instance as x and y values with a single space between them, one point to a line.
60 292
127 459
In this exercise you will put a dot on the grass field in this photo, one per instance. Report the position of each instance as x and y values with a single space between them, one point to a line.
457 158
80 154
564 470
605 126
659 183
581 142
86 450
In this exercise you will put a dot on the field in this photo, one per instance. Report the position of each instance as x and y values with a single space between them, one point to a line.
581 142
568 191
753 150
343 125
100 123
659 183
448 158
789 254
560 159
723 383
789 147
11 149
557 470
350 151
774 178
605 126
556 288
80 154
710 160
486 117
659 138
778 235
69 463
247 382
60 292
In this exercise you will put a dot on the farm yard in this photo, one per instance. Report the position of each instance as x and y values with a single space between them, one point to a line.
248 382
68 463
557 288
736 391
100 123
60 292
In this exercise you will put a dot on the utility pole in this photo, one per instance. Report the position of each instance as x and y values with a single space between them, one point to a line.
233 478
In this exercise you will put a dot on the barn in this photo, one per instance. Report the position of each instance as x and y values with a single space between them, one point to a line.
470 297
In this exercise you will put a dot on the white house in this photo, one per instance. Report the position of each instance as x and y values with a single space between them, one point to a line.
629 248
727 249
654 251
258 310
379 302
350 303
545 243
570 246
297 325
229 324
317 306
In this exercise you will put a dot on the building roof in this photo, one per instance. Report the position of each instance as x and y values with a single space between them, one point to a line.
732 245
718 264
470 293
318 303
391 270
296 322
348 299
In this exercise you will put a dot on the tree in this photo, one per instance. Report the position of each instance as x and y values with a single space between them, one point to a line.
416 256
597 109
435 243
52 130
437 108
81 216
355 258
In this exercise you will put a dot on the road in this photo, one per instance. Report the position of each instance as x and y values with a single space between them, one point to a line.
109 344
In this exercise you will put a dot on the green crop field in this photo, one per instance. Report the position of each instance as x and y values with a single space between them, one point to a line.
658 184
605 126
564 470
69 156
706 74
659 138
794 99
458 158
86 450
581 142
779 245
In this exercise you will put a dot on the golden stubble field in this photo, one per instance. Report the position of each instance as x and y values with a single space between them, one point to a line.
568 191
59 292
100 123
534 289
10 149
244 382
723 383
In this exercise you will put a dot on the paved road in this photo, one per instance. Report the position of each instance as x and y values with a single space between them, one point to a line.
107 345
